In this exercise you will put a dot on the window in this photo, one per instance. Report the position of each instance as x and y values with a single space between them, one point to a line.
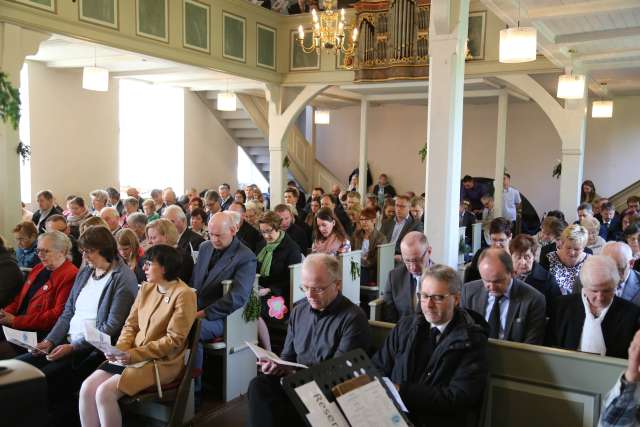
151 136
25 135
248 173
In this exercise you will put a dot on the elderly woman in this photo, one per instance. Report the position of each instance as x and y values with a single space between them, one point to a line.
367 239
522 249
253 213
154 338
131 252
631 235
595 242
99 199
329 236
43 296
26 234
94 221
565 263
10 275
164 232
198 222
103 292
275 254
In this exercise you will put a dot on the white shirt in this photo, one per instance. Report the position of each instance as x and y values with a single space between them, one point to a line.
397 229
510 198
87 306
504 309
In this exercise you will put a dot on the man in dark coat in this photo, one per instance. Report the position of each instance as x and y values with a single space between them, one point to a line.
438 358
246 232
46 208
594 320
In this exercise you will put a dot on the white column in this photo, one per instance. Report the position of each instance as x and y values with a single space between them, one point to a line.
15 44
444 127
362 165
277 145
573 139
501 144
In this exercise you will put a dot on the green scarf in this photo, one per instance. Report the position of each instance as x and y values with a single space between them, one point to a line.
266 254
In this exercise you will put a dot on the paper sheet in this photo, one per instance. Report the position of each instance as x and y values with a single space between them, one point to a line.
370 406
24 339
261 353
321 412
395 394
99 339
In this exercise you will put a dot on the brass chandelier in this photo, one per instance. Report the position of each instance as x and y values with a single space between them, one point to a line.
329 32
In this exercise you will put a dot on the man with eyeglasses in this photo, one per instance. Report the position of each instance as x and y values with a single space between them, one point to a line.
402 223
322 326
437 358
514 310
401 293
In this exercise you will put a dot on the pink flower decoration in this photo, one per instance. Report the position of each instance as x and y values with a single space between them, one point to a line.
277 308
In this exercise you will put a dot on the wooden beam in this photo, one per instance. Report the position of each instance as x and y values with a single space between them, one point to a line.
581 9
593 36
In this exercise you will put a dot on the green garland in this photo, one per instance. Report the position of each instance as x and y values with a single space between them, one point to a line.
253 307
9 101
355 269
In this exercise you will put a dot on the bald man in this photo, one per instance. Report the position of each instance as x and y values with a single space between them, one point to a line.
401 294
111 216
594 320
629 286
222 257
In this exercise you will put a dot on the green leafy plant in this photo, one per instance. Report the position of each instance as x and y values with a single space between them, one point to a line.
24 151
355 269
463 248
253 308
9 101
423 153
285 162
557 170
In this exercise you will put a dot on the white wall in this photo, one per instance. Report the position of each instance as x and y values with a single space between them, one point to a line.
74 133
75 137
397 132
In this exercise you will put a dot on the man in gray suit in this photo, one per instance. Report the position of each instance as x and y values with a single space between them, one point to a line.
629 286
401 294
223 257
396 228
514 310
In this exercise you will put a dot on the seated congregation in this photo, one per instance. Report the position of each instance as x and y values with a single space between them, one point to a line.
149 273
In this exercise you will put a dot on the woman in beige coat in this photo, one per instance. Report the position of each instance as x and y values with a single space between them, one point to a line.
153 341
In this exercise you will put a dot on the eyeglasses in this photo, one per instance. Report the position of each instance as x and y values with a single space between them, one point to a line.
266 232
41 251
415 260
87 251
317 291
435 297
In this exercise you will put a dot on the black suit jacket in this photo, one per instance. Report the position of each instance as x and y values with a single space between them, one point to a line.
55 210
410 225
544 283
250 236
299 236
398 299
618 327
189 236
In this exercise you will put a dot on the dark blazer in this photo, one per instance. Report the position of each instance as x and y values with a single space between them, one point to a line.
249 236
55 210
472 273
388 189
11 277
224 204
449 391
388 225
544 283
611 231
299 236
525 316
398 295
287 253
618 327
631 290
189 237
238 264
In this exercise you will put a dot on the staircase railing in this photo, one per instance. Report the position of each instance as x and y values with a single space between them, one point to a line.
619 200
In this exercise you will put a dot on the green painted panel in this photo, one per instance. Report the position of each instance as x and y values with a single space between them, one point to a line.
152 18
47 3
266 47
301 60
518 408
234 37
99 11
196 25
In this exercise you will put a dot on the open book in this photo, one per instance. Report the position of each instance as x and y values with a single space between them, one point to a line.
261 353
24 339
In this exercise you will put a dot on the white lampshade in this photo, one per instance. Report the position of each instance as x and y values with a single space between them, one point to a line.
602 109
571 86
518 45
322 117
227 101
94 78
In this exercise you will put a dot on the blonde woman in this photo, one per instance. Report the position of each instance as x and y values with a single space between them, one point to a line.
164 232
131 252
566 262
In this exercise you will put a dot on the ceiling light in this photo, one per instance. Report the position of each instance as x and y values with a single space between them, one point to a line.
322 117
602 109
227 101
518 45
94 78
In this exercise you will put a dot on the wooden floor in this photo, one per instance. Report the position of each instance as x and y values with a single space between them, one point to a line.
220 414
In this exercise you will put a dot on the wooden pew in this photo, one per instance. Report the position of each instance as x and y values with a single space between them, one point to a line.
295 280
476 237
350 285
239 362
531 385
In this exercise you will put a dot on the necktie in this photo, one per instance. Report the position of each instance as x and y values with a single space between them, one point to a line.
435 334
494 318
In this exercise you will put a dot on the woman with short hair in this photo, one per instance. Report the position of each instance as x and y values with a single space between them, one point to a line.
38 305
164 232
595 242
198 223
26 235
99 199
565 263
329 236
131 252
631 235
149 209
154 339
367 239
